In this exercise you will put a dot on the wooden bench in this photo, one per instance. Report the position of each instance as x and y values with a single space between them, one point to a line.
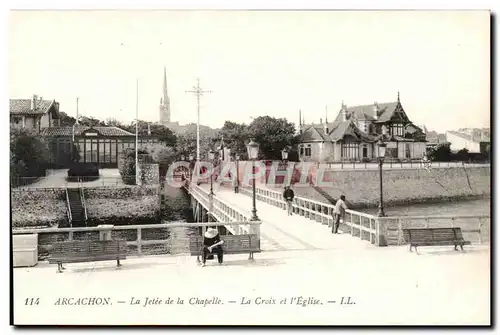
87 251
418 237
233 244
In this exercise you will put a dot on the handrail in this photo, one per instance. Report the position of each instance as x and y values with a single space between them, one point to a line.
137 244
225 213
129 227
68 207
82 199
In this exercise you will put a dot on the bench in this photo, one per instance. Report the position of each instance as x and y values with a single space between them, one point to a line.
87 251
417 237
233 244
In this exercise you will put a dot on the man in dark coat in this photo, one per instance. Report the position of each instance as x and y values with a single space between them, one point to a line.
288 195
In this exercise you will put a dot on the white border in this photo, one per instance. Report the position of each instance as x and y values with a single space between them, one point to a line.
185 4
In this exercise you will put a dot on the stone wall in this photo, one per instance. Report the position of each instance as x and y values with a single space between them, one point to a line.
124 205
400 186
38 207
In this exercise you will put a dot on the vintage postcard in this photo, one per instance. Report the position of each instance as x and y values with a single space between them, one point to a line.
175 167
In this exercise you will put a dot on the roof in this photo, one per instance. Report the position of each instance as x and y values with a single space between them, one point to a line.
467 137
79 130
345 128
23 106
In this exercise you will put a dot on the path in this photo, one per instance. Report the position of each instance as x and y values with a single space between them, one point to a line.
282 232
389 285
57 178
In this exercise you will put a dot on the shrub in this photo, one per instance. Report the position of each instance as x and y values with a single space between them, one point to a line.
127 167
83 172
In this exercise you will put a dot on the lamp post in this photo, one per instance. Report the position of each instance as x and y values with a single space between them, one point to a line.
284 156
191 168
211 156
237 158
253 153
380 156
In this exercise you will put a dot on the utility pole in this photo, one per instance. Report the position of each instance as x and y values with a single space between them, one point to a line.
198 92
137 133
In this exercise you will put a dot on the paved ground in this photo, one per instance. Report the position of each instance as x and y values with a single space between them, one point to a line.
57 178
389 286
282 232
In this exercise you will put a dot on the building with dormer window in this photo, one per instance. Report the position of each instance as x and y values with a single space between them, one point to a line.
354 134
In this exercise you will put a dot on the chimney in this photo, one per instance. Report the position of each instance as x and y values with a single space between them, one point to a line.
326 127
375 110
320 120
33 102
149 129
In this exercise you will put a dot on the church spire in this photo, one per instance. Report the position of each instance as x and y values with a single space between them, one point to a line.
165 93
300 118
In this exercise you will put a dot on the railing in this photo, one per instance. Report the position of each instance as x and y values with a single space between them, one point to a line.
68 208
377 230
225 213
52 181
82 199
475 228
141 239
364 226
398 165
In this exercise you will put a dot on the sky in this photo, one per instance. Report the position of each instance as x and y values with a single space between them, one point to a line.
255 63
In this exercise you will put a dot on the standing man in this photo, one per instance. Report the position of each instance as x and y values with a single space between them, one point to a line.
340 208
288 195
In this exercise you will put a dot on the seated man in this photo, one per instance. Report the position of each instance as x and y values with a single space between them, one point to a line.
212 244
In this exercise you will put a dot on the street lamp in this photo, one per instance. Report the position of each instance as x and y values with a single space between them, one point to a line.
253 153
380 156
211 156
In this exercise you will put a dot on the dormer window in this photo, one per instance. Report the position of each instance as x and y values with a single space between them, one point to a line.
397 129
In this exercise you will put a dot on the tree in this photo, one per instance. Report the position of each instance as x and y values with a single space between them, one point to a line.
235 137
273 135
442 153
127 166
186 140
28 155
462 155
163 133
65 120
90 121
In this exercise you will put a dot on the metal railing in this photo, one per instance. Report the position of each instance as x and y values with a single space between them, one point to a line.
225 213
135 235
362 225
378 230
398 165
82 199
68 208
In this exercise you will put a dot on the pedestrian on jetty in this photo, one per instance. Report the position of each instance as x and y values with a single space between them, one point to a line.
212 244
288 195
340 208
235 184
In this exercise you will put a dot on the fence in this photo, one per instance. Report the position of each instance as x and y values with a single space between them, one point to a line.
61 181
361 225
150 239
225 213
398 165
380 231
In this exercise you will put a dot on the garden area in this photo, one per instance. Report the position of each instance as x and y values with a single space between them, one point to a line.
35 208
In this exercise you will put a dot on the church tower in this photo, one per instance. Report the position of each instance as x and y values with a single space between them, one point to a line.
165 102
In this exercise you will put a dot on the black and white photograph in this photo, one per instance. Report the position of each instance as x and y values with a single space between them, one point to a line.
250 167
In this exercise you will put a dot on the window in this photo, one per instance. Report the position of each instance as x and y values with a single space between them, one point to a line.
301 153
113 151
308 151
350 150
397 129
